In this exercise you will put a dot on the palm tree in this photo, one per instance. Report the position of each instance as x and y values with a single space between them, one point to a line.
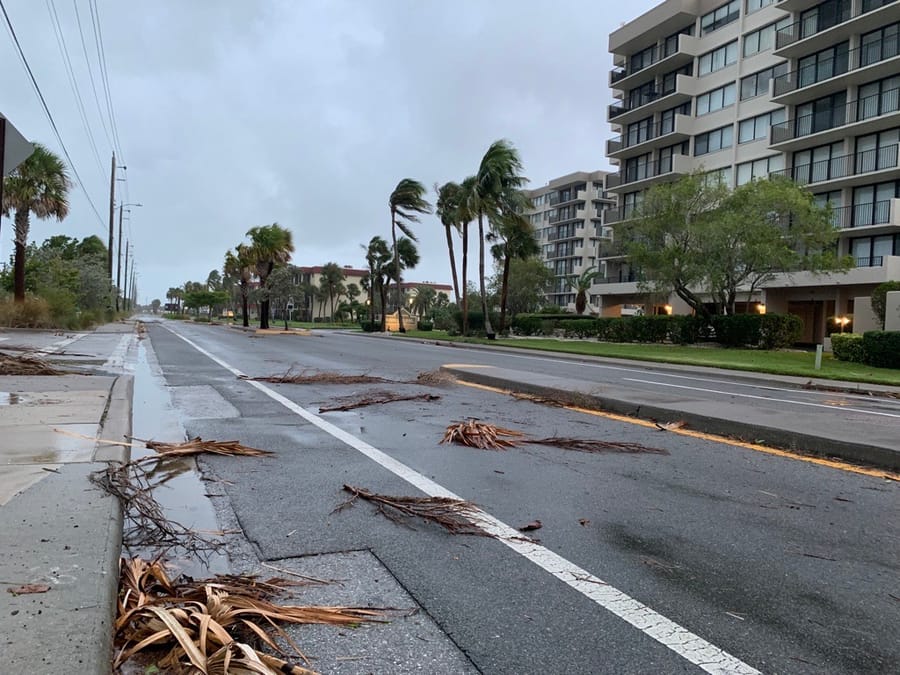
239 265
449 202
424 300
378 257
39 185
407 201
498 174
332 279
465 215
581 284
270 245
515 236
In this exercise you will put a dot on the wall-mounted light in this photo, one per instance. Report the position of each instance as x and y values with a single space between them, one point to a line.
667 309
761 307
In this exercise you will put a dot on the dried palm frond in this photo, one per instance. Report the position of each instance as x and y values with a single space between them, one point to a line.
377 399
315 377
209 625
587 445
434 377
476 434
26 364
197 446
543 400
454 515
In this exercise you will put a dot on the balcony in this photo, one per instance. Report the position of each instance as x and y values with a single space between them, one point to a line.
642 176
884 215
876 60
806 37
627 145
618 214
849 170
797 5
683 92
866 115
625 78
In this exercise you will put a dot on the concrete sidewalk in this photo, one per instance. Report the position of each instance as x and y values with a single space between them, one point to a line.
820 435
56 528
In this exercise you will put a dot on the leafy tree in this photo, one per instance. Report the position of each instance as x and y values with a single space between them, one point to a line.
91 246
155 305
581 284
280 289
450 203
239 265
515 238
197 298
39 185
332 281
498 175
529 279
406 202
879 298
424 300
270 246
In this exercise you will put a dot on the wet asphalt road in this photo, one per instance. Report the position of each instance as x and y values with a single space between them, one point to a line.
787 566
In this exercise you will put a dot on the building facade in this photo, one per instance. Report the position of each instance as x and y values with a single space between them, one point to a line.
752 88
568 223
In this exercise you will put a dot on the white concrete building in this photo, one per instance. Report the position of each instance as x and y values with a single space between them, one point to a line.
568 221
749 88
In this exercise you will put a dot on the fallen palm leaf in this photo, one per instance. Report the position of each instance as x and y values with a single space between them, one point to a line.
476 434
209 625
587 445
537 399
454 515
533 525
28 589
25 364
315 377
378 399
197 446
434 377
671 426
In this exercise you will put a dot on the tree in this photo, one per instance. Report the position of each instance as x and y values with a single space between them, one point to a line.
515 238
280 289
407 201
214 280
423 300
465 216
378 257
200 297
450 200
529 279
155 304
332 281
879 299
270 245
239 265
581 284
39 185
498 175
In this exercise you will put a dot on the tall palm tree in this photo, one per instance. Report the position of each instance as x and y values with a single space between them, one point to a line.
407 201
239 265
582 284
449 202
270 245
378 258
515 239
39 185
465 215
498 174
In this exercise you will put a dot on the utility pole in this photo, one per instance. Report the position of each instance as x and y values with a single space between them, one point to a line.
133 301
2 153
119 260
112 217
124 298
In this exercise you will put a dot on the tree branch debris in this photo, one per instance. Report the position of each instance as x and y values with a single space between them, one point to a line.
378 398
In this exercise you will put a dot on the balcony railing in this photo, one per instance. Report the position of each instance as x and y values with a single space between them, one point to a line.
870 5
623 277
843 166
638 136
635 172
559 236
861 215
838 65
800 30
874 261
618 214
854 111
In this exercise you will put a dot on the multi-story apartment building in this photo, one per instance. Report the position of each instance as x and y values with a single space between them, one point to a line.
750 88
568 222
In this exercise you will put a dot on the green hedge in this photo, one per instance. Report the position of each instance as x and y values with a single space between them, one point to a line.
848 347
425 325
476 321
881 348
370 326
766 331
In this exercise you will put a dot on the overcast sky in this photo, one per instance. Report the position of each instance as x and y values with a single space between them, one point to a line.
235 113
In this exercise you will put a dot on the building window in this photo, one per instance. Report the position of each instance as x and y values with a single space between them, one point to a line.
824 16
639 132
756 128
764 38
823 64
642 59
666 154
757 84
721 176
759 168
671 44
642 95
876 152
667 118
637 168
822 163
630 202
719 58
715 99
878 98
825 113
669 80
872 203
756 5
713 141
721 16
880 44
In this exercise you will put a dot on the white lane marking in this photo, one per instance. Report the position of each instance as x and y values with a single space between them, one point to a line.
116 360
763 398
689 646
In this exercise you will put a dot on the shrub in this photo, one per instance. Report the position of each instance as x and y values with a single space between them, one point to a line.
737 330
879 298
686 329
778 331
370 326
34 312
201 319
881 348
648 328
847 347
425 325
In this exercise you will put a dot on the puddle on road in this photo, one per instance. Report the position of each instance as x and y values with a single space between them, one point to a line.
181 493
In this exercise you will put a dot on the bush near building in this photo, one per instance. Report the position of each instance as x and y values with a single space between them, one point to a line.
881 348
847 347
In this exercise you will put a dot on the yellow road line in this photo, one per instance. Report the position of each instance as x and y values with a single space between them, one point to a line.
831 463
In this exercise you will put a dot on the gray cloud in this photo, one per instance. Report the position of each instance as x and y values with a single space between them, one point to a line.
234 114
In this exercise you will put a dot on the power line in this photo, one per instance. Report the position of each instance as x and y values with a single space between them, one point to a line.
73 81
104 74
40 95
90 70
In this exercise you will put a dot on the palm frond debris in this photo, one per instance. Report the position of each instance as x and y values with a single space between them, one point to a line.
316 377
197 446
457 516
26 364
216 625
476 434
589 445
434 378
378 398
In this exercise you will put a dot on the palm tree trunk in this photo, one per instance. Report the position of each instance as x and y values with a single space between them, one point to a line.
504 289
383 293
465 289
397 273
21 223
488 330
245 305
452 263
264 304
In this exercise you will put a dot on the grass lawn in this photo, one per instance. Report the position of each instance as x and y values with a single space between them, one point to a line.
797 363
303 324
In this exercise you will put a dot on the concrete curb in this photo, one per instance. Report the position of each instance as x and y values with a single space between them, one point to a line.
732 428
